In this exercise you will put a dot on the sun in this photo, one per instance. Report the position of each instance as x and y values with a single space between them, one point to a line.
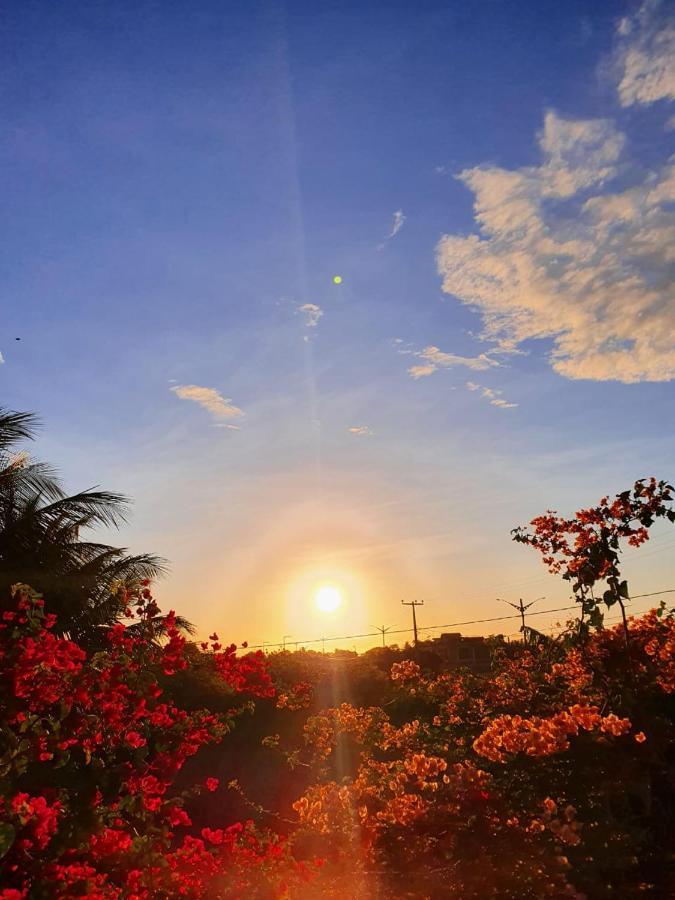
328 598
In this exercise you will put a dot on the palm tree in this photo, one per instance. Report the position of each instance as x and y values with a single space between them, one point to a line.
41 543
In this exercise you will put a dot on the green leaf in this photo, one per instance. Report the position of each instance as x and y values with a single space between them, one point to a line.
63 760
596 618
7 834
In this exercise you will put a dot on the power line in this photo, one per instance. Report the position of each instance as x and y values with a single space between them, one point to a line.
351 637
557 628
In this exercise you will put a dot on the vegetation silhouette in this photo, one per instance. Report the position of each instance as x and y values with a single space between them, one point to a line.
537 768
43 540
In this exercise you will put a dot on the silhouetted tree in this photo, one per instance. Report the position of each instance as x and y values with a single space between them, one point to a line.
42 543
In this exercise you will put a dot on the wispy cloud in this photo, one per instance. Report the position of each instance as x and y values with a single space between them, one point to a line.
360 430
560 257
492 396
421 371
435 359
396 225
212 401
644 56
312 314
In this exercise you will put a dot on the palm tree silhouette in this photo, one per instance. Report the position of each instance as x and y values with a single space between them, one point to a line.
41 541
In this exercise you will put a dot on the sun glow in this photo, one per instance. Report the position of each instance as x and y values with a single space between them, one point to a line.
328 598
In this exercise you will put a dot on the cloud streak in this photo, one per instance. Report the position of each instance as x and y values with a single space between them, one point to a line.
312 314
360 430
396 225
492 396
435 358
220 408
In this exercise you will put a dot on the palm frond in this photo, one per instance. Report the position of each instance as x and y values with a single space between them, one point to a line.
41 540
159 626
135 568
89 508
28 478
16 426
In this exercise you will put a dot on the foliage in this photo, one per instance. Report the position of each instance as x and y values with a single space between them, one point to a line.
586 548
90 752
376 777
41 540
549 779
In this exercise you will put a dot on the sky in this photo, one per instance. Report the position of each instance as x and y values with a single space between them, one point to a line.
340 293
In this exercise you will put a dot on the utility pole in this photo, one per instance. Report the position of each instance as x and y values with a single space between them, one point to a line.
413 603
383 630
323 644
283 644
521 607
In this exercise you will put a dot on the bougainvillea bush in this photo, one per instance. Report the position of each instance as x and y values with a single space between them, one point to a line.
90 751
551 778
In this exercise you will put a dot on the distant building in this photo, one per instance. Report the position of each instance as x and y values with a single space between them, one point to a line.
468 652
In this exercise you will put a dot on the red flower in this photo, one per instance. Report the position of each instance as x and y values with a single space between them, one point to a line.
177 816
134 739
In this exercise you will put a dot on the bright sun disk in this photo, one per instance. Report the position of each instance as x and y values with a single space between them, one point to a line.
328 598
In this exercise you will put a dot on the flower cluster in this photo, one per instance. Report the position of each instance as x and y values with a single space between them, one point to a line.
90 751
297 696
544 737
585 549
505 785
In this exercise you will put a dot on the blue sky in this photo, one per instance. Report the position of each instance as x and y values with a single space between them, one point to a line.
491 181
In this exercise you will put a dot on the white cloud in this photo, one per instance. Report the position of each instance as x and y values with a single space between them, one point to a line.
435 359
312 314
397 223
421 371
560 257
211 400
360 430
645 54
2 359
491 395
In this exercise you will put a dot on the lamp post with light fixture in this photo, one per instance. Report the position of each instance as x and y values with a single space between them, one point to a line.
521 607
383 630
